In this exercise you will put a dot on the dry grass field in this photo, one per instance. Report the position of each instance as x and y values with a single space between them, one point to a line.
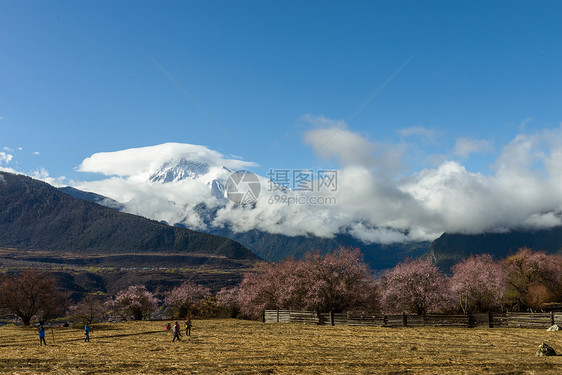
244 347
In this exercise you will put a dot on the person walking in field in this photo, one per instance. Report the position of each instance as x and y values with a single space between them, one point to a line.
187 326
177 332
168 328
41 331
87 331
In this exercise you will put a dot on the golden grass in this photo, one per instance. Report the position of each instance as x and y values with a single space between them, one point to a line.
244 347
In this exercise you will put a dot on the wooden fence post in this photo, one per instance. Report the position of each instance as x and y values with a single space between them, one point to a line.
332 318
277 316
552 318
404 320
490 320
263 317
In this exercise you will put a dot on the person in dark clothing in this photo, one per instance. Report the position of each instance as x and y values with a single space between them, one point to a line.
187 326
177 332
41 331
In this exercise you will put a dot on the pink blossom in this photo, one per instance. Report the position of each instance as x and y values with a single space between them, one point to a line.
182 299
479 283
338 281
415 286
135 301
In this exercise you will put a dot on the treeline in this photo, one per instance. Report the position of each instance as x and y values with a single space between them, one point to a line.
32 296
341 281
338 281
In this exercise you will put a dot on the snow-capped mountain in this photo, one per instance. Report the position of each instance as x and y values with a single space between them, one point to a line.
185 185
178 170
185 171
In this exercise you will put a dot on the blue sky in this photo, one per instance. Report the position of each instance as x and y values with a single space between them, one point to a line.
78 78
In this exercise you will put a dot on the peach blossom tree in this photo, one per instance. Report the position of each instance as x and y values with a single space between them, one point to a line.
135 302
415 286
478 283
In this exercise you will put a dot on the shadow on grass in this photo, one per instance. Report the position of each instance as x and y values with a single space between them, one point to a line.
57 342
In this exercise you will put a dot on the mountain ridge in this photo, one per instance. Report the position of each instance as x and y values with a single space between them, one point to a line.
450 248
35 215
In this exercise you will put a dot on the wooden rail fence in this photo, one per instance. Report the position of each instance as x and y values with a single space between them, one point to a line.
497 320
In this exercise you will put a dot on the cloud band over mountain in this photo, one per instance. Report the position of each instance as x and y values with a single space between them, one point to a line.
375 199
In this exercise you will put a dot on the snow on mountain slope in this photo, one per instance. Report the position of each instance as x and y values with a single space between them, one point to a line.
182 171
164 182
185 184
179 170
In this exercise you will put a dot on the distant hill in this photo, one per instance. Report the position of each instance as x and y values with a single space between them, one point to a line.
35 215
448 249
93 197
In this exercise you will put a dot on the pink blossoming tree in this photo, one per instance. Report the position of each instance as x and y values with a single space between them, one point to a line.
478 283
272 286
135 302
334 282
227 301
186 298
415 286
338 281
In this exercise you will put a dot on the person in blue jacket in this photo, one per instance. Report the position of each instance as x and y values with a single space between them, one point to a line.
41 331
87 331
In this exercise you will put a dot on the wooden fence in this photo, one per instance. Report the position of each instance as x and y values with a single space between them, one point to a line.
491 320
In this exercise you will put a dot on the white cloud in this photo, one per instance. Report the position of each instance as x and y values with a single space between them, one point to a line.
5 158
349 148
523 190
9 170
466 146
36 152
43 175
377 235
140 163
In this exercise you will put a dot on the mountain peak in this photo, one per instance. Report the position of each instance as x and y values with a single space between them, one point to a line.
178 170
